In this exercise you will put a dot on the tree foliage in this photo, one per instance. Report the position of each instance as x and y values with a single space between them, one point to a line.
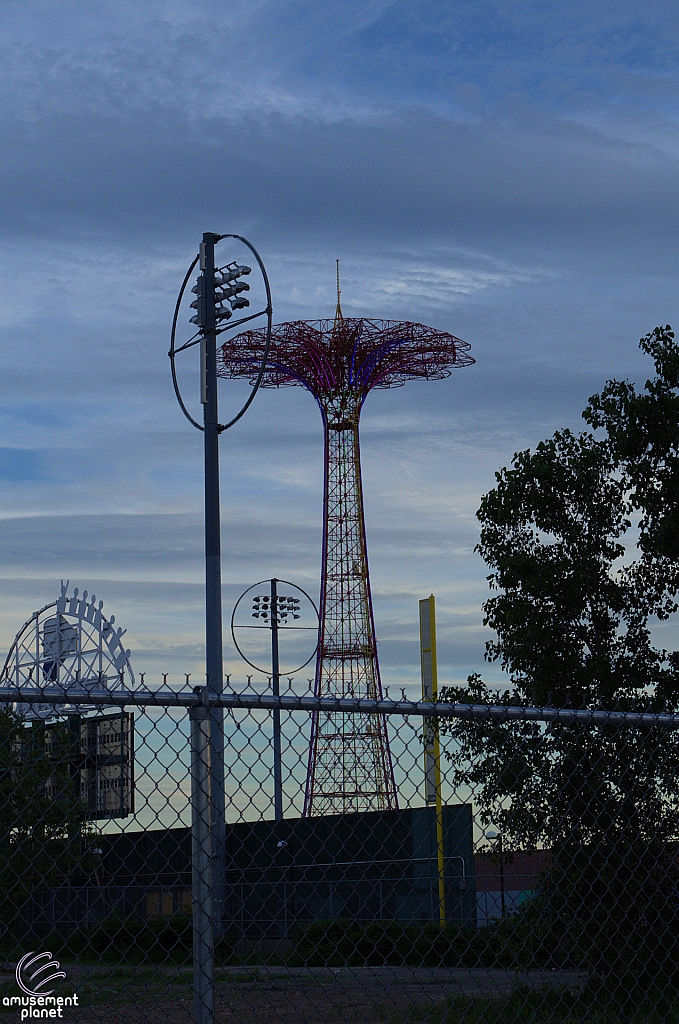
643 433
571 612
43 836
581 537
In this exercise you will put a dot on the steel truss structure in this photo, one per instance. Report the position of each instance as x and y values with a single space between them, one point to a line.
340 361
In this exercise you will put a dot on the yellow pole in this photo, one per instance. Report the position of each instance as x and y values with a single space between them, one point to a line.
432 748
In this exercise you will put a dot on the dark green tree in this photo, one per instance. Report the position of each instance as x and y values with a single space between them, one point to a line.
43 836
575 593
643 431
571 630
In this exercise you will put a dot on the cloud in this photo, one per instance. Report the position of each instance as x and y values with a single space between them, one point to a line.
504 172
411 175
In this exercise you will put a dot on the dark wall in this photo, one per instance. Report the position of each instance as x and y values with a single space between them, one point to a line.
160 857
372 866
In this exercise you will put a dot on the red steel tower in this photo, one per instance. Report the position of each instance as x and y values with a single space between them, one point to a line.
340 362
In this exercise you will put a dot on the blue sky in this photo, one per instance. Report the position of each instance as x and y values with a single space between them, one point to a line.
504 171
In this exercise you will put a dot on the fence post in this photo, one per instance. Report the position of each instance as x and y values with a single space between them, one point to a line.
202 863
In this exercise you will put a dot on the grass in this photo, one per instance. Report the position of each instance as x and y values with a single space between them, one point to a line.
596 1004
125 985
117 985
531 1006
123 962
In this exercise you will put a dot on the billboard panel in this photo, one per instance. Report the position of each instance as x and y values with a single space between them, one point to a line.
100 753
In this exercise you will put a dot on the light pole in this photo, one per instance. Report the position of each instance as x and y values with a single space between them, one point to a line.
276 611
288 919
218 292
497 837
214 668
215 287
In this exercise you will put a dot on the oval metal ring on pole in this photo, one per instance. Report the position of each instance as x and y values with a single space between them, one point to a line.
234 627
268 312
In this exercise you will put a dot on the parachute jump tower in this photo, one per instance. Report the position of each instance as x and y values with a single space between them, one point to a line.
340 362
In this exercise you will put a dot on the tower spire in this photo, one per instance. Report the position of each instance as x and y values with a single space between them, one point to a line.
338 311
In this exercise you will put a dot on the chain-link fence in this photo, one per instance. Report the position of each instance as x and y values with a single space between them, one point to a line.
541 885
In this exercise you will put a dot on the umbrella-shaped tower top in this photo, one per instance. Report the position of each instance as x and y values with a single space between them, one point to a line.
340 361
345 356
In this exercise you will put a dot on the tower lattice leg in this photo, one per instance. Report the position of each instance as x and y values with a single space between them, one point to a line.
350 767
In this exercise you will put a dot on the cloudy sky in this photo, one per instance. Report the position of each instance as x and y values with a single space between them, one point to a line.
506 171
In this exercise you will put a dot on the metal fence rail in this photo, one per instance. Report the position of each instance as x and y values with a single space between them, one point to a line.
167 698
547 888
